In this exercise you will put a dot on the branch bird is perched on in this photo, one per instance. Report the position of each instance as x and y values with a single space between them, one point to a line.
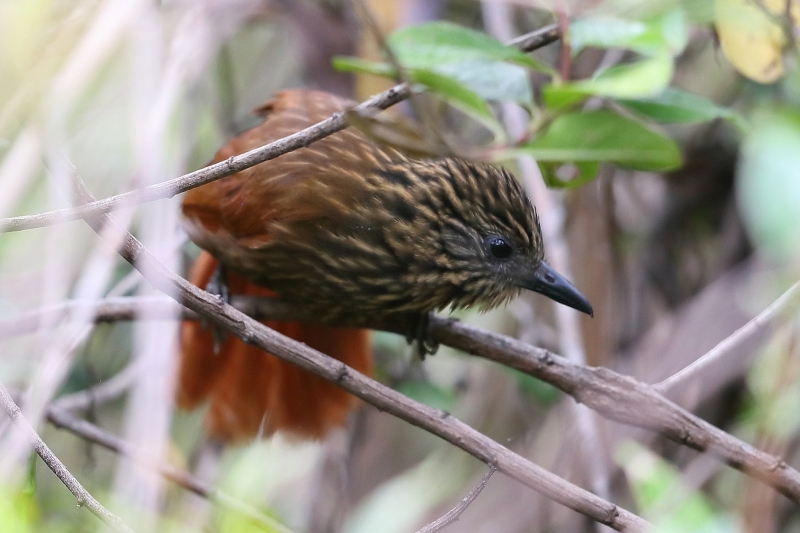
346 232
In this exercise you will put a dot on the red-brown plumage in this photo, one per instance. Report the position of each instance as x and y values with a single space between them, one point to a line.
252 392
249 391
346 233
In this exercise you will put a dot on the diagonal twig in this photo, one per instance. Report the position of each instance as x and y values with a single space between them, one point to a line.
54 463
762 321
435 421
181 184
63 419
616 397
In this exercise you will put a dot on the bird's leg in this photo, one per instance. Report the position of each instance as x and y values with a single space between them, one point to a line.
218 285
418 335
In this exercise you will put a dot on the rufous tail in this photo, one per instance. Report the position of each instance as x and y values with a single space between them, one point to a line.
252 392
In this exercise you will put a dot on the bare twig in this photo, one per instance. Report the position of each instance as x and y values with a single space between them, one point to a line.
536 39
100 393
763 321
62 419
107 310
455 513
440 423
54 463
614 396
181 184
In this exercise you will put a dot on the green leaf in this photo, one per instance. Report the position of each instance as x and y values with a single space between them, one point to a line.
604 136
584 172
362 66
437 43
675 106
492 80
477 61
460 97
645 78
453 91
768 179
665 34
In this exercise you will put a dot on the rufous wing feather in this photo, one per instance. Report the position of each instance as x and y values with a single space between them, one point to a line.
251 392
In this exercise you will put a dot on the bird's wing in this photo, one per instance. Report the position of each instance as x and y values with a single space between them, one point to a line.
309 183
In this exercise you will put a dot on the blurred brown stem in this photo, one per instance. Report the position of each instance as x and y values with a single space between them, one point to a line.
63 419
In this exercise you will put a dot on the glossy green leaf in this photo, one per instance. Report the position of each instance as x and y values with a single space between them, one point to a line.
604 136
477 61
438 43
582 172
453 90
665 34
363 66
645 78
459 97
492 80
675 105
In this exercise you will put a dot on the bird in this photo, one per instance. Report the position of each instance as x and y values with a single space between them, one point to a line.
348 232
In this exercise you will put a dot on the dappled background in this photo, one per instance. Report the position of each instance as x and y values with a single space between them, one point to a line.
674 257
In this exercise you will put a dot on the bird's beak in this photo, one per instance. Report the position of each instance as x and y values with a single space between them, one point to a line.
550 283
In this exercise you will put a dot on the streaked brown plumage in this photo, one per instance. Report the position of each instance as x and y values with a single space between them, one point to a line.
346 231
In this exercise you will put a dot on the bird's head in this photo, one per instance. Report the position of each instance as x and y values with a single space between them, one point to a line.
481 234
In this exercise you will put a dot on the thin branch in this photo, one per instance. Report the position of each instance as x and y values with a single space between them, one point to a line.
760 323
101 393
107 310
181 184
435 421
536 39
616 397
622 399
63 419
54 463
455 513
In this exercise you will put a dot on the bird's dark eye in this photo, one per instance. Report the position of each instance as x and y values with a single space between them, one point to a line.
499 247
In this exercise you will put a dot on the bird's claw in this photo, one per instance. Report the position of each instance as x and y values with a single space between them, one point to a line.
418 335
218 285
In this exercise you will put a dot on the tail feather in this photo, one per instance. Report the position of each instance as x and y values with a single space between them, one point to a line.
252 392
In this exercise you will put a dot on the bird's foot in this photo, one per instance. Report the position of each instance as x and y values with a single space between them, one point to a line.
419 336
218 285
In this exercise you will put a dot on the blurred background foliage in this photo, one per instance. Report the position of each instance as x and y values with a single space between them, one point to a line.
668 133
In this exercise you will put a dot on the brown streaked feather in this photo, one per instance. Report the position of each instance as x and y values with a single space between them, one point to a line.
252 392
244 207
345 232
